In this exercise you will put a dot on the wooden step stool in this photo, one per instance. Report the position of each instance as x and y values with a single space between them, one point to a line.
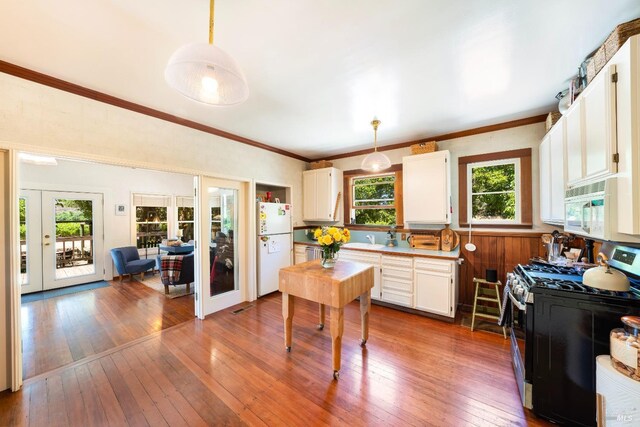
487 291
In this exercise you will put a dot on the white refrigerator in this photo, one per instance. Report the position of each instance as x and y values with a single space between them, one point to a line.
274 244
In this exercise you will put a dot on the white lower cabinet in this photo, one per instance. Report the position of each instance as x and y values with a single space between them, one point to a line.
397 280
425 284
299 254
370 258
435 286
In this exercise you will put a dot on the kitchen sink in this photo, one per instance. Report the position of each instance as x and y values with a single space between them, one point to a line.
358 245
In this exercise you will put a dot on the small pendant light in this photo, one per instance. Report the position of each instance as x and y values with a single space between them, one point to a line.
375 162
205 73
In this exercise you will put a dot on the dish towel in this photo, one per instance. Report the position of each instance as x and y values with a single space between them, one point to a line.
505 313
171 266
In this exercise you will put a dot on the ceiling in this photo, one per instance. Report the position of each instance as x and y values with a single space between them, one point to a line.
318 71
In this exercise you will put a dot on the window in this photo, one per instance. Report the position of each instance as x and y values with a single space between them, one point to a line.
185 226
151 219
495 189
373 199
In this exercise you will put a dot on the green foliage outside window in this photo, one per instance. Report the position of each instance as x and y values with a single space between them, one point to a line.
73 217
23 218
374 200
493 191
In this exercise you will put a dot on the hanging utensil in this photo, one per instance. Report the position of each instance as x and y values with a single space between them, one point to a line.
470 246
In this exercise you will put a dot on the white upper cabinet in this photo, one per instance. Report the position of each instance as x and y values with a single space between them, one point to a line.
591 130
557 171
599 106
545 179
322 195
552 174
627 62
574 142
426 181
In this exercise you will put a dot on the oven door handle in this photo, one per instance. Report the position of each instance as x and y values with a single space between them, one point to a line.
522 307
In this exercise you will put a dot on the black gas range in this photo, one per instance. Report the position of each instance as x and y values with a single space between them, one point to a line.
557 280
566 324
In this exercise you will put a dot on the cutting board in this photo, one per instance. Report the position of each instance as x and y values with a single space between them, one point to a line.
449 239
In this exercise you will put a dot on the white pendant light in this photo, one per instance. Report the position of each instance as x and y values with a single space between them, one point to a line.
205 73
375 162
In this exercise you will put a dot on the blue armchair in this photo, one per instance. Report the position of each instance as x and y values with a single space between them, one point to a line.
127 261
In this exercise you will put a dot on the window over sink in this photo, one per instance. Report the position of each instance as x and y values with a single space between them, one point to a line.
373 199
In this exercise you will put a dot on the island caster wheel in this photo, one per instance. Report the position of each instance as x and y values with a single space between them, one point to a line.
336 375
320 326
363 343
288 349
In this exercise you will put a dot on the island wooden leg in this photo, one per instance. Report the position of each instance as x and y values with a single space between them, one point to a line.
365 308
337 328
321 317
287 314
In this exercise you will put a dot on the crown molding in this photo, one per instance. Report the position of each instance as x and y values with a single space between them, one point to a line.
56 83
444 137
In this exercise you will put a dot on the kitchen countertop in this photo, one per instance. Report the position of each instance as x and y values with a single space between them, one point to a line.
401 251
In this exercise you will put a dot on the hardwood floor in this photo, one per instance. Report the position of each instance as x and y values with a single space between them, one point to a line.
232 369
65 329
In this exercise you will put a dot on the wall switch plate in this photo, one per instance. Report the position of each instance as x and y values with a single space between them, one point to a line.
403 236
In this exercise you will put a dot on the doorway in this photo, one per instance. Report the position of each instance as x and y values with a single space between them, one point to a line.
221 223
60 232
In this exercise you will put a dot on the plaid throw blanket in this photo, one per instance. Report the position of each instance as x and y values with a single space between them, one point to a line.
171 266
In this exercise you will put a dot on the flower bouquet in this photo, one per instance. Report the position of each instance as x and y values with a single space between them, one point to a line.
330 239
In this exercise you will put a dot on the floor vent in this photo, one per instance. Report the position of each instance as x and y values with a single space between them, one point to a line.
240 310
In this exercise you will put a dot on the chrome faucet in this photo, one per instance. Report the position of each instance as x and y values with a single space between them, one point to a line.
371 238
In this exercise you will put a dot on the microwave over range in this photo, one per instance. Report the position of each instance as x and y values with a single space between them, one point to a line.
591 211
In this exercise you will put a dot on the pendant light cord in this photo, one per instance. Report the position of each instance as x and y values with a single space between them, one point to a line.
211 22
375 124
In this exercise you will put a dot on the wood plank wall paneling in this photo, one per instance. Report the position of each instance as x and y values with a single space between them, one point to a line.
498 251
501 252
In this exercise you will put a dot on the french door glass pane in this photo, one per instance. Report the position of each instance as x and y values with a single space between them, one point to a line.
223 258
74 238
24 278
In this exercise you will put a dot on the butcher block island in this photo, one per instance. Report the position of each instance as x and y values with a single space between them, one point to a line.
329 287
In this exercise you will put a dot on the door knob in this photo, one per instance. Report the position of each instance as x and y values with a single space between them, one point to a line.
46 236
47 244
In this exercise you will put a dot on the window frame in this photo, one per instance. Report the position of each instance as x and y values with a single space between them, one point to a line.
489 163
166 202
180 203
524 184
348 198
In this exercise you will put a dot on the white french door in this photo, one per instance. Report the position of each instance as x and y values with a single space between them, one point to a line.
62 242
221 231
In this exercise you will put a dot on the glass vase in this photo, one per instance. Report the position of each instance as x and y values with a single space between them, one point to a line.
329 258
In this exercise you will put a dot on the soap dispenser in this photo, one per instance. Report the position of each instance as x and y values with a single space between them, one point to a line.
391 237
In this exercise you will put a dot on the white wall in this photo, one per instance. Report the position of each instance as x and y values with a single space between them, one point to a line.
508 139
116 183
38 118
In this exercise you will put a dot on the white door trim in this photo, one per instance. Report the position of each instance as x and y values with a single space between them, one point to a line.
14 250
